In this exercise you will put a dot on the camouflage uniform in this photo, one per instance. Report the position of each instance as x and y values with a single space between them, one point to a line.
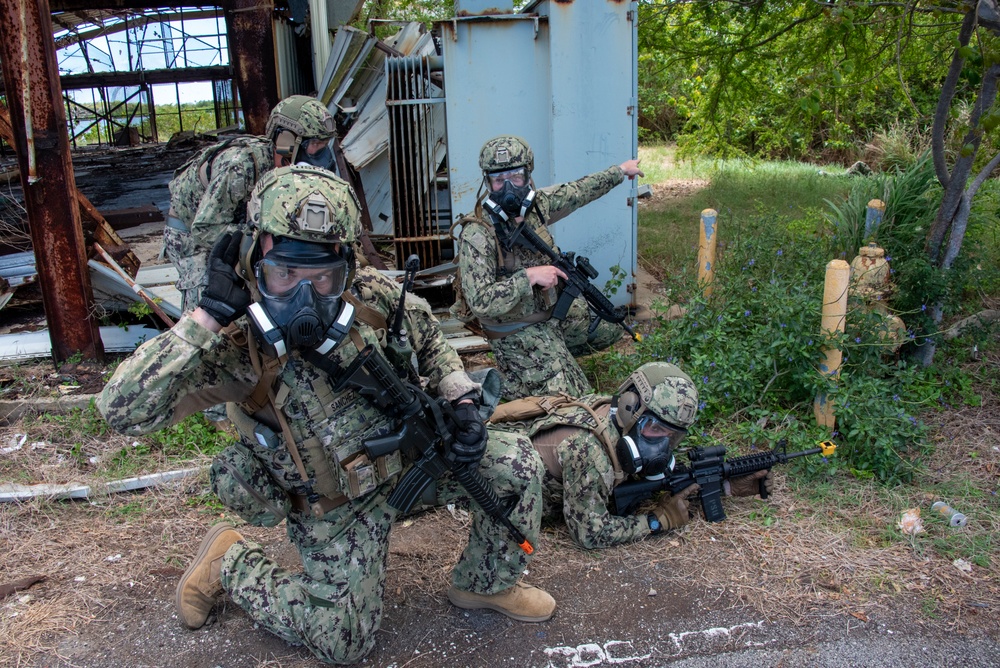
538 359
335 605
210 211
579 476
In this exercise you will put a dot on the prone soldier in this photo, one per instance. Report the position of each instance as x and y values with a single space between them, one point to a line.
593 444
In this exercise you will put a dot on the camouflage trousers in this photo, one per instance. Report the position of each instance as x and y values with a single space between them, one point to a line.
582 497
540 359
334 607
191 262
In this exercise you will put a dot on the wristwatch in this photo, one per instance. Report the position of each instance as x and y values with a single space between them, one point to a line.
654 524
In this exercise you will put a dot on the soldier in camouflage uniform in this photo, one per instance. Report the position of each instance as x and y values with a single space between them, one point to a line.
209 192
512 294
592 444
261 339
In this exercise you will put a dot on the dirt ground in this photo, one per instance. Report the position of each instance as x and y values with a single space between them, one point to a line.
778 583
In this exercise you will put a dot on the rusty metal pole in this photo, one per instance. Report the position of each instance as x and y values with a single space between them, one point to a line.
34 97
251 48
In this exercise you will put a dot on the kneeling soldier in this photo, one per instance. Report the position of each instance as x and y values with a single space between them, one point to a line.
269 340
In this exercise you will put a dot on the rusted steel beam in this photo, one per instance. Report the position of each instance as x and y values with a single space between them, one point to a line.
37 117
249 24
138 78
94 226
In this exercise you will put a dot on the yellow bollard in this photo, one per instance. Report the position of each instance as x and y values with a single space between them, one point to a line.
708 239
834 319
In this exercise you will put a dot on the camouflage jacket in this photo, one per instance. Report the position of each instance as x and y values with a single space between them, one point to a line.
231 169
189 368
487 291
580 473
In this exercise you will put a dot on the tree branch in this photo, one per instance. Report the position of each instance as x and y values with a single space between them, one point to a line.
945 99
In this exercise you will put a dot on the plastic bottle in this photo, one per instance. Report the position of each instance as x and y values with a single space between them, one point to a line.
955 518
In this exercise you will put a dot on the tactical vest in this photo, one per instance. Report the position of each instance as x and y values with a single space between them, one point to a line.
527 311
293 428
548 414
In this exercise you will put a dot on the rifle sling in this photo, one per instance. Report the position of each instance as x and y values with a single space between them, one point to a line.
498 330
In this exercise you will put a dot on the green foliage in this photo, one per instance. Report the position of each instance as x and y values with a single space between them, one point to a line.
753 347
911 199
614 282
191 437
791 79
70 427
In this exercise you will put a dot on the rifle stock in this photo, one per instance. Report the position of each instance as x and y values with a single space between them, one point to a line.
708 468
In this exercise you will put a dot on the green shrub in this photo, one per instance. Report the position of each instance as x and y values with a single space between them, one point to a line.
753 349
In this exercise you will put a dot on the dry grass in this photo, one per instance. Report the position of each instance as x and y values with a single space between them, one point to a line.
806 555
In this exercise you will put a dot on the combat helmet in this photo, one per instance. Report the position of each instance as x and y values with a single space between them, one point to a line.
300 202
506 152
294 121
653 409
298 283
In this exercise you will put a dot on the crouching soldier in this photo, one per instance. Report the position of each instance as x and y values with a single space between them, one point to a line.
592 444
271 339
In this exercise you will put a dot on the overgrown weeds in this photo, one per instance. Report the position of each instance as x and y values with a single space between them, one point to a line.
79 445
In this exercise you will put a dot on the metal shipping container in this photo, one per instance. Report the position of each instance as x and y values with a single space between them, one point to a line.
562 75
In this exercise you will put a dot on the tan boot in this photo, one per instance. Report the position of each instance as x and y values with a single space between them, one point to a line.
521 602
200 583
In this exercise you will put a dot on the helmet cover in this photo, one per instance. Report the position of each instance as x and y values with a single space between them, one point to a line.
661 388
506 152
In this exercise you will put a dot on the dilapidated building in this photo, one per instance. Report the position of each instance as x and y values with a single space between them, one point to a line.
414 108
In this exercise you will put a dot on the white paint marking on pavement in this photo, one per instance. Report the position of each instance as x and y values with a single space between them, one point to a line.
591 654
715 632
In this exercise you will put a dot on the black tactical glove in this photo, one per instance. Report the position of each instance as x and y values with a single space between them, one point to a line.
470 433
225 298
672 511
750 485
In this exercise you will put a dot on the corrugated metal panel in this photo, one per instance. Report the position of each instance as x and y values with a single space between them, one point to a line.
366 144
319 24
290 80
421 217
351 49
568 87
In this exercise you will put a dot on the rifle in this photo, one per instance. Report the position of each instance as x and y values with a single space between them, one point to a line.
708 468
398 347
579 272
423 429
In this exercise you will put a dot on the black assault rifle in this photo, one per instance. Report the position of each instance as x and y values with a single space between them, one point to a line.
579 272
708 468
424 431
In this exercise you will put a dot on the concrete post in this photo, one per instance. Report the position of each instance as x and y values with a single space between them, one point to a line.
873 216
834 319
708 240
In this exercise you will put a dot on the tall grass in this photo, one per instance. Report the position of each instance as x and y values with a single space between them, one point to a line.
785 191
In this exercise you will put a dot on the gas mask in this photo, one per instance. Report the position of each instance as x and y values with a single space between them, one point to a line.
515 194
295 150
648 447
322 158
301 284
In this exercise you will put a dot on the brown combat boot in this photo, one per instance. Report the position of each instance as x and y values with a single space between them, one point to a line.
200 583
521 602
